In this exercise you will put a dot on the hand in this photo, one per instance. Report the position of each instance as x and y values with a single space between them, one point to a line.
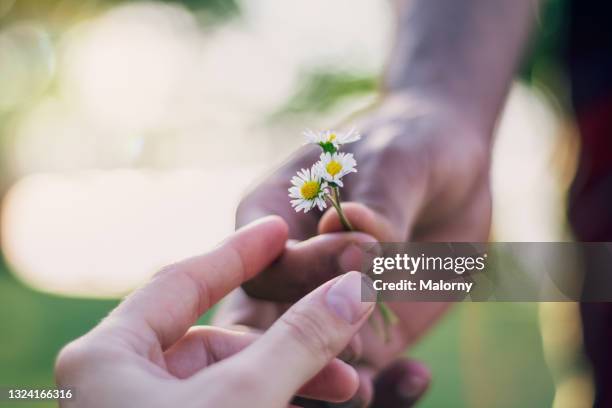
423 176
146 354
426 180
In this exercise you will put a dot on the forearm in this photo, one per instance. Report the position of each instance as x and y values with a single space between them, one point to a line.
462 51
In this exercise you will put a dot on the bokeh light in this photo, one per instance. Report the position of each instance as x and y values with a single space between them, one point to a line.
101 234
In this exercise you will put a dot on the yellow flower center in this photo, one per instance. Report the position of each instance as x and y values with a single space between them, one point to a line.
333 167
331 137
310 189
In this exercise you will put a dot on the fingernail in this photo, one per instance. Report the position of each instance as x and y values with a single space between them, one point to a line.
411 387
344 298
351 258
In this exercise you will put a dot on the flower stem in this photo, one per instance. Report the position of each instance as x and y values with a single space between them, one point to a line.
387 316
336 203
389 319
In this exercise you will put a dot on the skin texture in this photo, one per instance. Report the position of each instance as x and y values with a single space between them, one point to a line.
147 354
423 167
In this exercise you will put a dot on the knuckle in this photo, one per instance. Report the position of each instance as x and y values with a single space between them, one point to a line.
311 329
197 288
169 269
70 359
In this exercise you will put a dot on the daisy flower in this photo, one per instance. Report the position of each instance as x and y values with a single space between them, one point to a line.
330 140
333 167
308 190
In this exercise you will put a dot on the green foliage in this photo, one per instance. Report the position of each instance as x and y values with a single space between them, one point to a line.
484 355
543 65
219 8
322 89
549 36
62 13
35 327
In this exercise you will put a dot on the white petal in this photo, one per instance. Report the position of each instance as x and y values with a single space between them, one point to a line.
351 136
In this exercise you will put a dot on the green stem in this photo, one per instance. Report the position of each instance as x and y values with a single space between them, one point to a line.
336 203
386 314
389 319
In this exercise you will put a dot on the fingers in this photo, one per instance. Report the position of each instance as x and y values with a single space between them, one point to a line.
401 384
312 332
365 392
335 382
361 399
238 308
167 306
203 346
305 265
363 219
306 339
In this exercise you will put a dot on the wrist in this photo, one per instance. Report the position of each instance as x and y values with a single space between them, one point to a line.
442 107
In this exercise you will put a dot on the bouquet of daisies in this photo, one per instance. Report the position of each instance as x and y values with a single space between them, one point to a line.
320 185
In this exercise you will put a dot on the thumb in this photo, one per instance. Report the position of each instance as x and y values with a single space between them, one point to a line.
309 335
